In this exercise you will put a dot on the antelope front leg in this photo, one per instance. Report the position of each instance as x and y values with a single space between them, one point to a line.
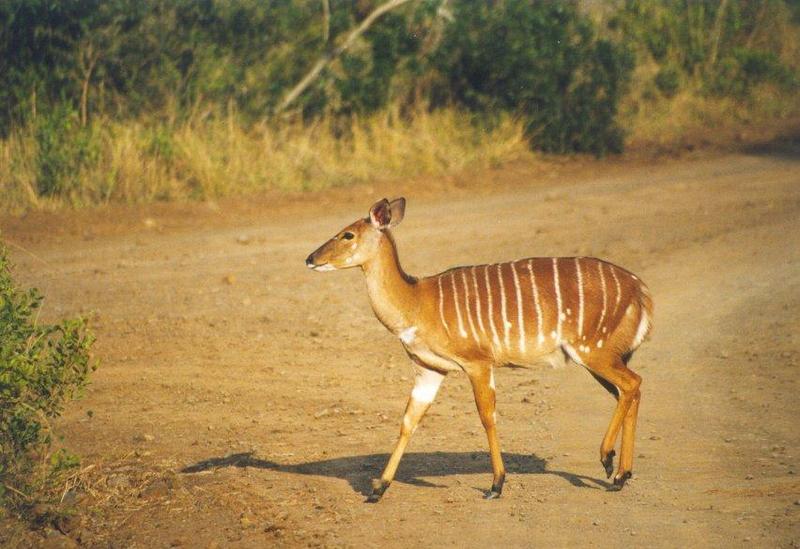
483 387
426 385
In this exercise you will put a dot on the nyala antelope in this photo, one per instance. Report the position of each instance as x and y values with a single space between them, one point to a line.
473 319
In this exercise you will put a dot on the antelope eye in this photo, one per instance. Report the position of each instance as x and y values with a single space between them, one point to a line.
348 235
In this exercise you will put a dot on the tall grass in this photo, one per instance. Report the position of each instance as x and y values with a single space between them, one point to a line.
143 161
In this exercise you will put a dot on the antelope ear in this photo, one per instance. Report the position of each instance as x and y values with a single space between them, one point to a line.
380 214
398 208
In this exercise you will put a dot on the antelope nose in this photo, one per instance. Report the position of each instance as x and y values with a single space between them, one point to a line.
310 261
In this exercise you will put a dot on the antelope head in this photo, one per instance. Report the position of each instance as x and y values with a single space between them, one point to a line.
358 242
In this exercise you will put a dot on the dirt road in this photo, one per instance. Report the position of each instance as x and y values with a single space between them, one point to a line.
246 401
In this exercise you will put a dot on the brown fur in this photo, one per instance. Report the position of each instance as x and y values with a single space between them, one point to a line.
476 318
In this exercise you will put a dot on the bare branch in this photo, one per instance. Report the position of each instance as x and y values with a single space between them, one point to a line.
329 56
326 22
716 33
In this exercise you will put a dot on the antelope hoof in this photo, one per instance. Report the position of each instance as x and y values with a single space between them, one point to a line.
378 488
495 492
608 463
619 481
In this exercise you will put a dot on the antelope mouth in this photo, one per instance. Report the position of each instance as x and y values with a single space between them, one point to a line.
321 268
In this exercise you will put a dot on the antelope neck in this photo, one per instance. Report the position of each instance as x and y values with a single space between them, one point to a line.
392 292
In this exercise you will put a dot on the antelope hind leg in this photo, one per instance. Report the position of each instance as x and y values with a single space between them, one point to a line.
482 380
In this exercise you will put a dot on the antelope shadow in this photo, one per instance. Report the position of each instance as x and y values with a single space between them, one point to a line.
359 470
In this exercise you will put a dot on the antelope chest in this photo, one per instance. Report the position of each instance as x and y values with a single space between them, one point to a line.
416 346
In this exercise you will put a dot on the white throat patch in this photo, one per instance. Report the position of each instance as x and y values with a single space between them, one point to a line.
408 335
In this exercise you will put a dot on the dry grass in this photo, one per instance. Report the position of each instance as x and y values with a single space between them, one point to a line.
692 118
141 162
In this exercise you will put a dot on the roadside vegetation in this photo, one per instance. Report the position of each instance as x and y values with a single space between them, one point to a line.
42 367
130 101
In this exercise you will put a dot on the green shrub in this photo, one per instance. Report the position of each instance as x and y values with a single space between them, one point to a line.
41 367
744 68
541 61
668 80
64 148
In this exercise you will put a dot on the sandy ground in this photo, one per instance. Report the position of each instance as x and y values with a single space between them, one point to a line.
245 401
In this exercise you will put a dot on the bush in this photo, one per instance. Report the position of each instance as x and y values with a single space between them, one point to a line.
668 80
41 367
541 61
64 148
744 68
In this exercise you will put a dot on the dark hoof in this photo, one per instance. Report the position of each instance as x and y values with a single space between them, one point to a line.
619 481
608 463
378 488
495 492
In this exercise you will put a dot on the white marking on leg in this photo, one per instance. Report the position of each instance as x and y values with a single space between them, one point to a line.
600 344
580 295
462 332
441 305
491 379
469 312
426 385
605 297
520 318
503 312
558 298
477 301
540 337
495 338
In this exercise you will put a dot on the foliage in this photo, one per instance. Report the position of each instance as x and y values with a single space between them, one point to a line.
541 61
192 60
741 70
668 80
81 77
64 149
726 48
41 367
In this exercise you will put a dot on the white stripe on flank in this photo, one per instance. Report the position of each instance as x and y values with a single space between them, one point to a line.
558 298
469 312
462 332
491 309
477 301
605 298
580 296
535 290
520 319
506 323
619 290
441 305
